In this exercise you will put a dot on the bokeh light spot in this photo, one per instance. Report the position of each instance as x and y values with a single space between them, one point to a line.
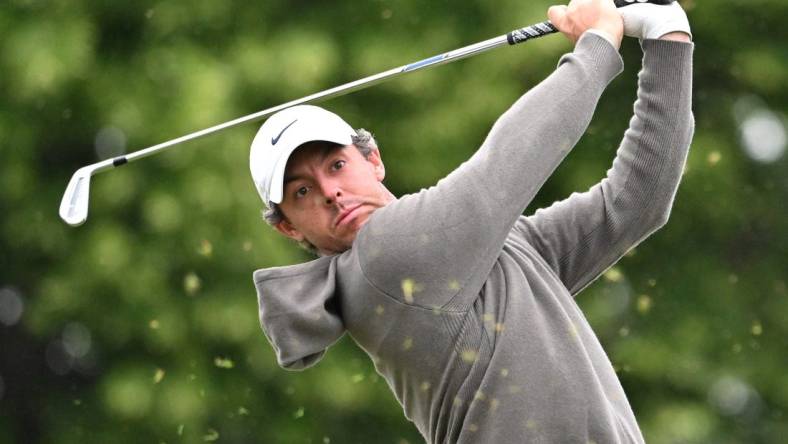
223 362
206 248
11 306
761 131
730 395
613 274
469 355
644 304
211 435
573 330
76 340
192 283
408 287
127 393
713 158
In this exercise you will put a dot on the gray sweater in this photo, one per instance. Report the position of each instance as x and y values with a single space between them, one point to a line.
465 305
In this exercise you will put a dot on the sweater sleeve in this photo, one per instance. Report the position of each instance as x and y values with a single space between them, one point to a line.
435 248
586 233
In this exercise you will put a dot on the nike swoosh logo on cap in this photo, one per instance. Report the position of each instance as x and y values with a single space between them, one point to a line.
276 139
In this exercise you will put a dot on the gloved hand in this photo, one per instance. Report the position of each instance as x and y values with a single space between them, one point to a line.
649 21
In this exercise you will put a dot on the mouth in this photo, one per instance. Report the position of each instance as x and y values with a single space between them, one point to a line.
346 215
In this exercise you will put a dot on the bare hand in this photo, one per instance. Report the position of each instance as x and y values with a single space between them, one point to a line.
581 15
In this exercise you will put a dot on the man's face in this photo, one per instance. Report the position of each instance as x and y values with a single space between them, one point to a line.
329 193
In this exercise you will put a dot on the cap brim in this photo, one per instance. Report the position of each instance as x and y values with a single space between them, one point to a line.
276 189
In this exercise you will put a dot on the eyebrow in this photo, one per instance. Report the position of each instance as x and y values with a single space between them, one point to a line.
289 179
325 152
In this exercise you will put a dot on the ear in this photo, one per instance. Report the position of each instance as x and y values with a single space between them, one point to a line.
286 228
375 159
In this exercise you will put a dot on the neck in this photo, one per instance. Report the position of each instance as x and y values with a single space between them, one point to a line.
387 195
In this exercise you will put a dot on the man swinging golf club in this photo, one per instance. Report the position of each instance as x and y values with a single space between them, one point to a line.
465 305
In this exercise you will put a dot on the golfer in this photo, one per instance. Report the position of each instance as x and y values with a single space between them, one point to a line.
464 305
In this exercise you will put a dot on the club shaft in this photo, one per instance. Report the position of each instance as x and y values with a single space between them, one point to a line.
74 204
512 38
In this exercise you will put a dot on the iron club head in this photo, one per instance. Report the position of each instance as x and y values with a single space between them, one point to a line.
74 206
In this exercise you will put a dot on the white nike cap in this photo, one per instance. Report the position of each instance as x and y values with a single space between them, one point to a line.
281 134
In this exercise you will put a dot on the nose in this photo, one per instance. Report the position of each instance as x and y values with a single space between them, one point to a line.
332 192
331 199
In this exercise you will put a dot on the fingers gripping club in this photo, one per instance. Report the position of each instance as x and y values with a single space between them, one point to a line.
545 28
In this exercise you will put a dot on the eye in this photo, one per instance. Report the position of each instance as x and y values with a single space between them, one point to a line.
338 165
301 192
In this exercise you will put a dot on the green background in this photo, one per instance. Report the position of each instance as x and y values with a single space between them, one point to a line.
141 325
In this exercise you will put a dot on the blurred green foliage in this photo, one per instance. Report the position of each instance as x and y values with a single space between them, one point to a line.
141 326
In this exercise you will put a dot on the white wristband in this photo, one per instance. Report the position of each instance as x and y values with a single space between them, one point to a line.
650 21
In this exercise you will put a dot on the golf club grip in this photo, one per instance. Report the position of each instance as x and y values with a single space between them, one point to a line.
545 28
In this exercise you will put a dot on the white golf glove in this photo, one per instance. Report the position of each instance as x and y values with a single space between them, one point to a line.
649 21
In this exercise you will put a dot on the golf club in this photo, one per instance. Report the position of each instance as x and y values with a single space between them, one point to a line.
74 205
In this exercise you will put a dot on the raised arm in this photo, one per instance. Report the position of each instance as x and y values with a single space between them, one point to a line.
437 246
583 235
